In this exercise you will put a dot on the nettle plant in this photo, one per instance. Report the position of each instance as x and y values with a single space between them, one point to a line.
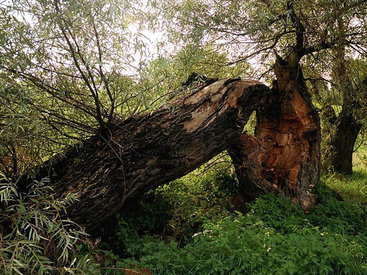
35 238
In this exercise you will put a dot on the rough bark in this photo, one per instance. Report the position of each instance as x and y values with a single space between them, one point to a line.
143 152
284 155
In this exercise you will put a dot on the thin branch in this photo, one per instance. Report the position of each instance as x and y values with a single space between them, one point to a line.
73 55
103 77
272 46
300 29
49 89
323 45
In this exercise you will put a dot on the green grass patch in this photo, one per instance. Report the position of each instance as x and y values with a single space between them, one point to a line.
352 188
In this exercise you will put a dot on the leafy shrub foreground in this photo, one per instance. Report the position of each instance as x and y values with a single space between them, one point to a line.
34 236
274 237
177 210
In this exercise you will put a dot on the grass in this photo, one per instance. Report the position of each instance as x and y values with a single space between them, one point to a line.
352 188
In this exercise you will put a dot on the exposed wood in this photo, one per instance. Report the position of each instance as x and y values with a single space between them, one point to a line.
284 155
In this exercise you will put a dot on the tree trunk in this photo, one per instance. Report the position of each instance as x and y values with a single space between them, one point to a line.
342 142
284 155
347 127
143 152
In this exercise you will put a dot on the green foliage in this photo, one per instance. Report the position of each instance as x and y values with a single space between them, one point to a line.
35 238
148 216
77 56
164 76
258 26
273 237
193 200
176 210
23 133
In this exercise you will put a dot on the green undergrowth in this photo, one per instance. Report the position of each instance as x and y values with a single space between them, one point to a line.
194 225
176 211
270 236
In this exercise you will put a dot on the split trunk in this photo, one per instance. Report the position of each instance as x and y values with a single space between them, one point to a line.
284 155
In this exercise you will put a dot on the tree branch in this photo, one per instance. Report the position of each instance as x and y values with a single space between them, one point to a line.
85 78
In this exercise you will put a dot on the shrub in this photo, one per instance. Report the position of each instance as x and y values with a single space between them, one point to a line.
35 238
274 237
176 210
193 200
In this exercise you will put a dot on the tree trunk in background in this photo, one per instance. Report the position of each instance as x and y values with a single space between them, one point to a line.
284 155
144 152
347 127
342 142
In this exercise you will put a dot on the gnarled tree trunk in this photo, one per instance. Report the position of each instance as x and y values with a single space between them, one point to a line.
143 152
343 141
347 126
284 155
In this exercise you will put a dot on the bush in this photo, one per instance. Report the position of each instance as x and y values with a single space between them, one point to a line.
193 200
35 239
274 237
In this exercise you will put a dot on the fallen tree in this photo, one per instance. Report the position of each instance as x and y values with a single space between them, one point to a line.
143 152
